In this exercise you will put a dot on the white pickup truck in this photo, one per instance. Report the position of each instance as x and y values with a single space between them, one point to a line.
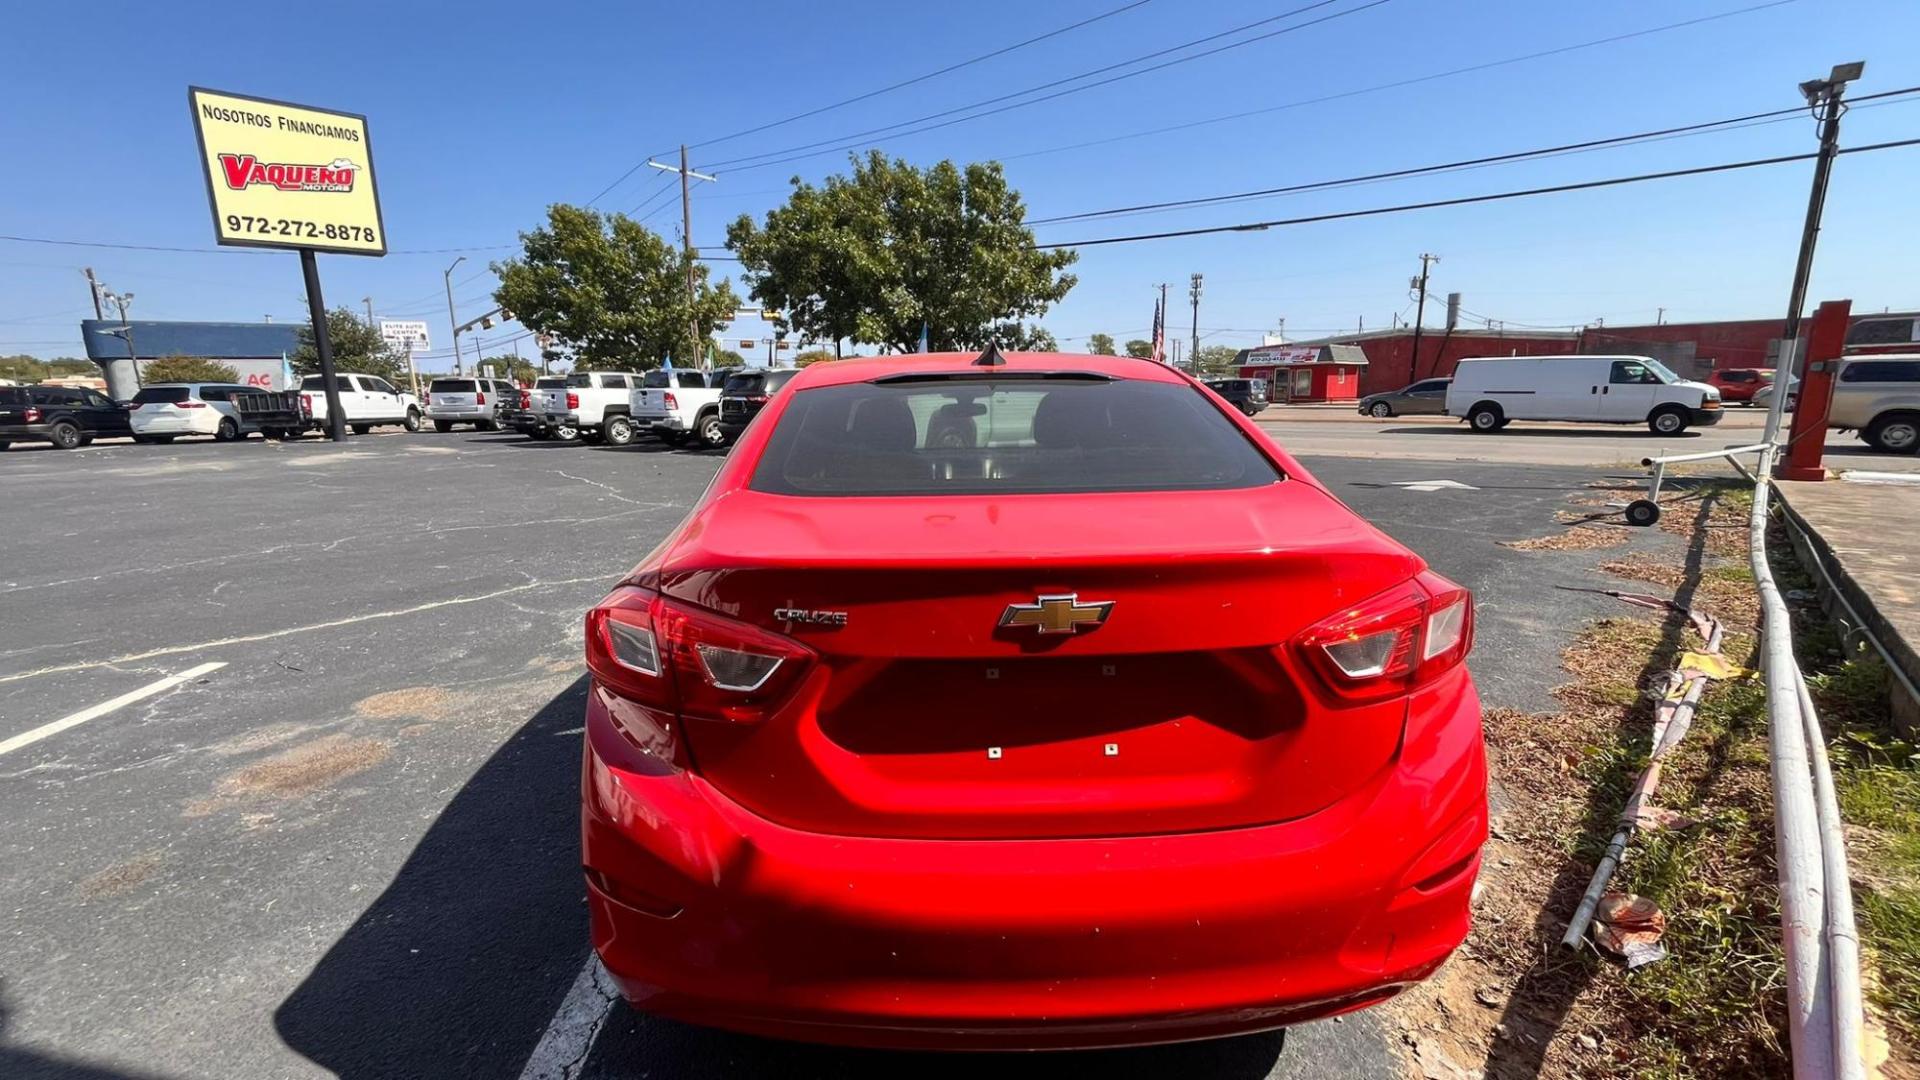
367 401
593 403
682 407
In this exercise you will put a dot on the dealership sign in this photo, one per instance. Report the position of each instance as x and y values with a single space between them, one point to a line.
404 336
1283 354
287 176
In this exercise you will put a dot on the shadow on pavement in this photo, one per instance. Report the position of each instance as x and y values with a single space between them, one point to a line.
458 967
17 1063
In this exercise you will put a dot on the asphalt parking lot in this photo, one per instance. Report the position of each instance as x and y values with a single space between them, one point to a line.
351 848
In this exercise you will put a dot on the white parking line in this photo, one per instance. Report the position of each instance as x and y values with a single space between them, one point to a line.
28 738
570 1034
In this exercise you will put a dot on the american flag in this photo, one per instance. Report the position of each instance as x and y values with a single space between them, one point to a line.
1159 334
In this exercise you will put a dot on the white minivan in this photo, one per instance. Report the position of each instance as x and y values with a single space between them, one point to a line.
1491 392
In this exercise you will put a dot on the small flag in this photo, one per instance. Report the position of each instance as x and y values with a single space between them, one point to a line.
667 364
923 335
1159 334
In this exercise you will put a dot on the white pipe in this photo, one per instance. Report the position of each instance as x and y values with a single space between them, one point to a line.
1843 938
1705 455
1797 851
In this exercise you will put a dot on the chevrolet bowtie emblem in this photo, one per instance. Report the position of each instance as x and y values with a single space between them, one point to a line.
1057 614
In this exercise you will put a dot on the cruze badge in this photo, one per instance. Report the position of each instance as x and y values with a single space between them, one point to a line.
810 617
1060 614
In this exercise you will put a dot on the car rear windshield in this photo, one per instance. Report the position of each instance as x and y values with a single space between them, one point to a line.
450 386
746 384
1006 436
582 379
552 382
153 395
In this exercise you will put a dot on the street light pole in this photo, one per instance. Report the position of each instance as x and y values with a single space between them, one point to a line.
453 321
123 301
1193 353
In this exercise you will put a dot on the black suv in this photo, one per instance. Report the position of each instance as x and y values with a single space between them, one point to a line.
1247 395
745 394
69 417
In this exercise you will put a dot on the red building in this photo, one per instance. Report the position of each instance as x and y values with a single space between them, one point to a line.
1304 373
1390 363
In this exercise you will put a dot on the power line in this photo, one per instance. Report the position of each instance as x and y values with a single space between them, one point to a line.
1595 43
1256 226
796 154
923 78
1465 163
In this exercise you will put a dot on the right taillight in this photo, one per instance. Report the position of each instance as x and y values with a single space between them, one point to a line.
479 397
1391 642
675 657
670 401
526 399
573 400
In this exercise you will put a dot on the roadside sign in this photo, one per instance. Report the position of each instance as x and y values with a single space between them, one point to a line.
748 343
404 335
287 176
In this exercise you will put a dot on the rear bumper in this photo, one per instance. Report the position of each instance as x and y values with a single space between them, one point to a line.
668 422
1706 417
178 424
459 412
703 911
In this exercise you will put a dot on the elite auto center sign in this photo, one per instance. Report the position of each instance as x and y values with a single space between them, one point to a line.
287 176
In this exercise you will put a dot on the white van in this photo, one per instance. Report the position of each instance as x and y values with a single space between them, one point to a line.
1492 392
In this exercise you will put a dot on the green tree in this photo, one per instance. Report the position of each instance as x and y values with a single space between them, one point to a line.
357 347
812 356
31 369
1140 348
876 256
613 292
188 369
511 366
1100 344
1214 359
726 358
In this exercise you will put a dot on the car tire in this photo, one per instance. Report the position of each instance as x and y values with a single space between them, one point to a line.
1643 512
66 435
228 431
566 434
1380 410
486 425
361 429
1486 419
1896 433
1668 420
617 431
412 420
711 436
443 426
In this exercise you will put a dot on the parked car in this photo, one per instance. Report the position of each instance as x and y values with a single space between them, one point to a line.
530 421
1247 395
1492 392
1428 397
683 408
1739 384
67 417
1114 727
481 402
1763 397
746 392
1878 396
162 412
276 414
594 404
368 401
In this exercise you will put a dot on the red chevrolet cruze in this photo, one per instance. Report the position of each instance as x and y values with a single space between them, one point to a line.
1025 701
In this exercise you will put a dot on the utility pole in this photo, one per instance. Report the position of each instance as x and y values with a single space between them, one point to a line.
93 286
686 246
1420 311
1193 290
123 301
1659 316
368 300
1823 95
453 321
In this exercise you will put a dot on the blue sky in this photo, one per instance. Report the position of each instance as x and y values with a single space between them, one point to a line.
482 114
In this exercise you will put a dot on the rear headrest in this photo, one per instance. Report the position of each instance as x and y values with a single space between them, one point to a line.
1072 417
882 423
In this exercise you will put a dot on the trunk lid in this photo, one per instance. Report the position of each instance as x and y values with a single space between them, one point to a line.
925 716
649 404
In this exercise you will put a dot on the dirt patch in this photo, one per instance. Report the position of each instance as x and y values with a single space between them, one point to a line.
424 702
300 771
122 878
556 665
1579 538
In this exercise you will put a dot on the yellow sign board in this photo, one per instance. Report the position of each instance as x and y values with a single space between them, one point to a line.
287 176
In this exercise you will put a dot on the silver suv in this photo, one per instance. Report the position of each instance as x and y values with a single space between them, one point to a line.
1879 396
480 402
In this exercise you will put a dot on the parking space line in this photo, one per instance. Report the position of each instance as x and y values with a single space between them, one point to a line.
28 738
563 1048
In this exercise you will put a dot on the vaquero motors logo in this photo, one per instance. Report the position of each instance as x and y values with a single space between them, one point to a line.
244 170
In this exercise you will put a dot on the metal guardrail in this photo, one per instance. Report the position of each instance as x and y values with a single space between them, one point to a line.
1819 940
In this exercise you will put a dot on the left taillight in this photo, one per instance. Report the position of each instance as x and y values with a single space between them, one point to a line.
686 660
1392 642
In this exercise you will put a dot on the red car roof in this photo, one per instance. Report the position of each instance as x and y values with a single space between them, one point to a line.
840 372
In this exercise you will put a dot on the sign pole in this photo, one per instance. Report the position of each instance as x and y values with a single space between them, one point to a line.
413 376
323 344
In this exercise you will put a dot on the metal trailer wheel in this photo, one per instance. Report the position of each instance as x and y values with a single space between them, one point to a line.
1643 512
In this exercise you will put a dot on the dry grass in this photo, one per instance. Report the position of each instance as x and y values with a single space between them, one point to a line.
1578 538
